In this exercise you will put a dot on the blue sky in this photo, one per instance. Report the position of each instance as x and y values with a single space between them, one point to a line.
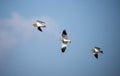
25 51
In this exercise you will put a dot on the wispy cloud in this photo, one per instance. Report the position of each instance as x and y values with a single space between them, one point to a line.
12 28
7 40
20 28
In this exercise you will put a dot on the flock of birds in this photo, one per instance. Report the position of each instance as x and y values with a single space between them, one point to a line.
40 25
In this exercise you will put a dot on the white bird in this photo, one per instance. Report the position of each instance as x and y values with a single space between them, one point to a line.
39 24
64 40
95 51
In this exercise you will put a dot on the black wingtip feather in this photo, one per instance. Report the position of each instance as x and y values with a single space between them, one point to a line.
96 56
64 32
63 49
101 52
39 29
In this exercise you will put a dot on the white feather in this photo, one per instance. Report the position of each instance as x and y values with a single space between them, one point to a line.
63 45
96 50
39 24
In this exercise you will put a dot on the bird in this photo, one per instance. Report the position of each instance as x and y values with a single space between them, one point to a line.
95 51
64 40
39 24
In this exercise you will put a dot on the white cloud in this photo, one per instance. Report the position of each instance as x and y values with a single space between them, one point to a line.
7 40
12 28
18 28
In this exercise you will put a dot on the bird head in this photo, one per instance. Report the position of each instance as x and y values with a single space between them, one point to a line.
35 25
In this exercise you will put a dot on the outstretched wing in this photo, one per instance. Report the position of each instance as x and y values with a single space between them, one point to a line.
64 34
96 56
40 21
63 48
97 48
39 29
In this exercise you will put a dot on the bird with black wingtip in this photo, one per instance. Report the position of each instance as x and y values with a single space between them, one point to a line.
39 24
65 41
95 51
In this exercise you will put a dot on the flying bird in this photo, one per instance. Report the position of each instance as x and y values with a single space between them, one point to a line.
39 24
95 51
64 40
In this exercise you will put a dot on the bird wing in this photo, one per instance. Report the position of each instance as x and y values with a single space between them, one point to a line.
39 29
96 56
97 48
40 21
63 48
64 34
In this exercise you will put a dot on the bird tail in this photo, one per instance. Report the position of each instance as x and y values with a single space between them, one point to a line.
44 26
101 52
